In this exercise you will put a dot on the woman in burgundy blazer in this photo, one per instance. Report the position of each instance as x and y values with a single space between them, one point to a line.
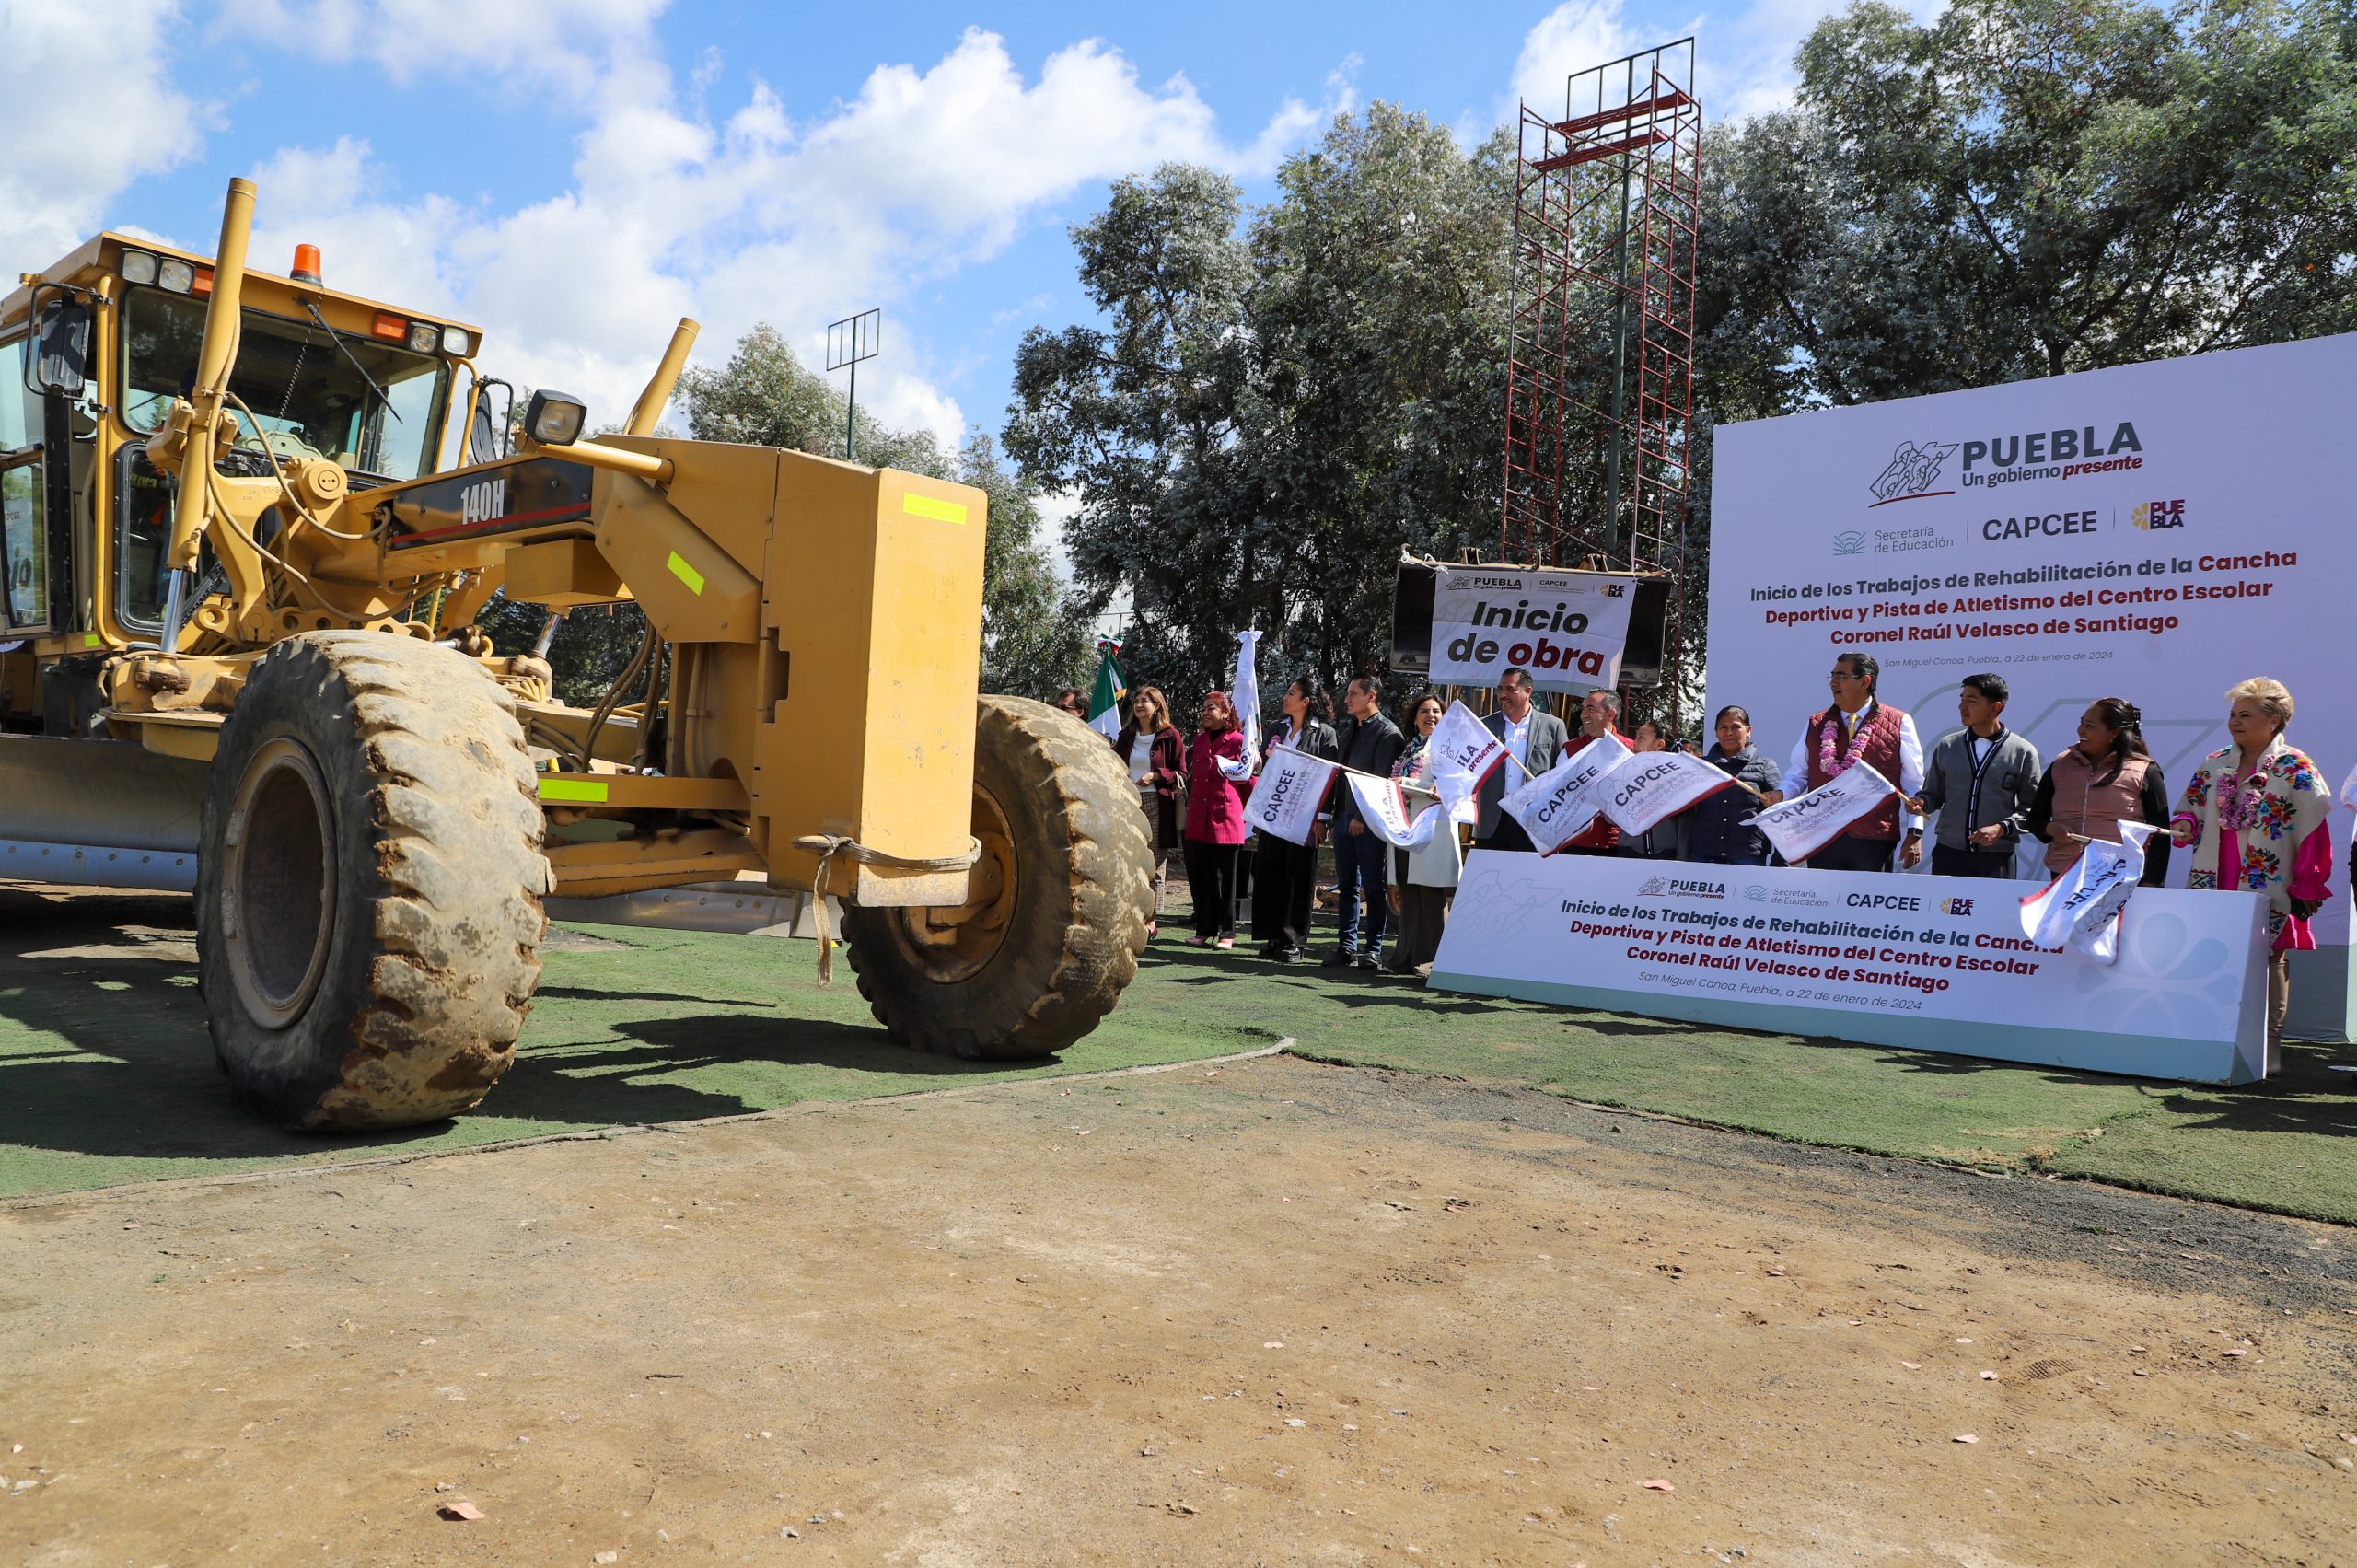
1214 831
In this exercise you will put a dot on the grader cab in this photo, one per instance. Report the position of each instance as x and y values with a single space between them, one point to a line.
238 657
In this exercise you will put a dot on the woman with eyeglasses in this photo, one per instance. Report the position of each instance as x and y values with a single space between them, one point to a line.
2256 815
1422 880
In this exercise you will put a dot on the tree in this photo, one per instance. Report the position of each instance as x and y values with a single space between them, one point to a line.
2029 187
1034 643
1379 318
1264 420
1141 419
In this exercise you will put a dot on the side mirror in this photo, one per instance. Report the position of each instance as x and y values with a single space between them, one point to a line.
61 360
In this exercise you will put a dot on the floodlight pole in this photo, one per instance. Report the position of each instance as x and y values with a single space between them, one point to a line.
849 340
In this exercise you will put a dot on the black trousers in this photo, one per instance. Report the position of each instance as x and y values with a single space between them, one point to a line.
1424 912
1946 861
1284 876
1846 853
1211 883
1508 834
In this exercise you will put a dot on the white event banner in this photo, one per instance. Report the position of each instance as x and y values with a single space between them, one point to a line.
1927 963
2155 532
1291 791
1568 629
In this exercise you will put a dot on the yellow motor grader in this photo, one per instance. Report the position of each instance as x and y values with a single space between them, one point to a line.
249 524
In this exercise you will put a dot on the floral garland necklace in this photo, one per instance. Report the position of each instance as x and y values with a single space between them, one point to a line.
1826 761
2240 808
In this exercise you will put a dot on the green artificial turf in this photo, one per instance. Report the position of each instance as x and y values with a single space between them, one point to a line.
106 1074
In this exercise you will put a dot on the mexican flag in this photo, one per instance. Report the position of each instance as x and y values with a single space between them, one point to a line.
1105 712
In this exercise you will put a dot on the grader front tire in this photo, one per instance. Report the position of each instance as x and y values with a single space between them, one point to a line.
368 897
1062 894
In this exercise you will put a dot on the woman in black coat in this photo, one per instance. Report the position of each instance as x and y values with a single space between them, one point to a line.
1715 829
1153 750
1284 874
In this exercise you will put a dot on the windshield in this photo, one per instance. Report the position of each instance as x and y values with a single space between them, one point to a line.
307 394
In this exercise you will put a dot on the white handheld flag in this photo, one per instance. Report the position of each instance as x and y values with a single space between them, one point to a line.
1245 692
1659 784
1463 744
2080 908
1807 823
1462 755
1384 808
2348 788
1556 807
1285 803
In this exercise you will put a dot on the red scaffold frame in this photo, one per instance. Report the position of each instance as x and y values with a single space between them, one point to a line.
1599 385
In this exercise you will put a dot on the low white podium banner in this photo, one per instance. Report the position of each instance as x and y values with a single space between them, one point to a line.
1928 963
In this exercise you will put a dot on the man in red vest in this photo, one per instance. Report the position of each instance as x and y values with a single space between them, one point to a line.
1860 729
1599 717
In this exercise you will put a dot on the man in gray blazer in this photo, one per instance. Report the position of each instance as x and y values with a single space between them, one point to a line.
1981 779
1535 739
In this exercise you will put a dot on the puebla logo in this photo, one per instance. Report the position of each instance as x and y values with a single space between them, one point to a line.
1913 470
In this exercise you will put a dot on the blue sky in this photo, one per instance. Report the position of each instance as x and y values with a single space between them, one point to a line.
573 176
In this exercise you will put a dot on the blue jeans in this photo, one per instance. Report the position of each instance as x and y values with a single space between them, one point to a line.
1362 861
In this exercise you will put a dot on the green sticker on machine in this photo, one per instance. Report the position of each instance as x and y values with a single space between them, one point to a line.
573 791
685 572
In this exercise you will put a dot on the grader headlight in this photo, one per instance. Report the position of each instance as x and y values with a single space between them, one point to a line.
554 419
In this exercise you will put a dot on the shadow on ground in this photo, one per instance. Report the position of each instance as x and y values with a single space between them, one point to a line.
107 1071
107 1074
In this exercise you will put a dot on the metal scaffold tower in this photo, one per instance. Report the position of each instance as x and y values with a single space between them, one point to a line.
1599 387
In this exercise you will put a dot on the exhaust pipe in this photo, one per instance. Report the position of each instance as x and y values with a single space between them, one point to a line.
188 435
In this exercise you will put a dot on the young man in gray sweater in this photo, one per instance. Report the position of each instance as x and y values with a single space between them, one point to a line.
1980 780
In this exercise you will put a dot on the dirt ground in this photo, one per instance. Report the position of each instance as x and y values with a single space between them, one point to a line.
1266 1312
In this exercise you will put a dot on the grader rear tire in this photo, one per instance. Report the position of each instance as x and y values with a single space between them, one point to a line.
368 913
1062 897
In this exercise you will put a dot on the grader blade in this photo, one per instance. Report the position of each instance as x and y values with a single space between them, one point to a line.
99 813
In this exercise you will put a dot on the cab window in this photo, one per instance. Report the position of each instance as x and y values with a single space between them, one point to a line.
143 536
23 534
305 387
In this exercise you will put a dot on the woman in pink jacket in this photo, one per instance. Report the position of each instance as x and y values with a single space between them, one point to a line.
1214 823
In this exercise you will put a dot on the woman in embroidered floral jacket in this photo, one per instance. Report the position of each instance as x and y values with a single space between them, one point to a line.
2256 816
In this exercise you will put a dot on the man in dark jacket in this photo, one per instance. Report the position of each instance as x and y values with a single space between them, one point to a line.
1535 740
1371 743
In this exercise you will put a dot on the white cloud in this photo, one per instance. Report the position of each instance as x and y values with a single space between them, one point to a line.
753 218
568 48
1574 37
89 108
